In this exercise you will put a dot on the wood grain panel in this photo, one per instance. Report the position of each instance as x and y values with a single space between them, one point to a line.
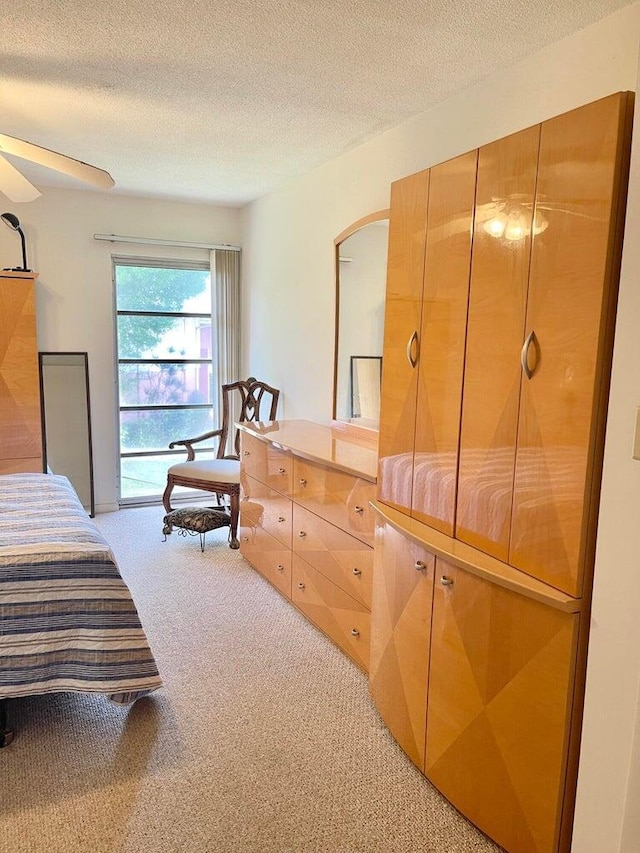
497 306
266 463
500 691
339 498
400 638
572 292
403 312
266 554
264 507
20 419
442 340
338 615
33 465
342 558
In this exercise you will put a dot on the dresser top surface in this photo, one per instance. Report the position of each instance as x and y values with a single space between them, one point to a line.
332 445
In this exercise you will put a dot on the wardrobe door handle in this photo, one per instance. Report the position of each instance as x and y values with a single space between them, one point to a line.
525 353
354 632
410 358
445 581
356 571
420 566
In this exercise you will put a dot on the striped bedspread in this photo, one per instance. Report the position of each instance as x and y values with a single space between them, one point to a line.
67 618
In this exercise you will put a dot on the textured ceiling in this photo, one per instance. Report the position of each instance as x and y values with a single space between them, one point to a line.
224 100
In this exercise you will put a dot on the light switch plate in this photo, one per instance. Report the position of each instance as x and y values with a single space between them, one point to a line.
636 438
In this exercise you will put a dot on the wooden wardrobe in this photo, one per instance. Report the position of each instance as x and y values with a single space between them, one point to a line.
501 293
20 418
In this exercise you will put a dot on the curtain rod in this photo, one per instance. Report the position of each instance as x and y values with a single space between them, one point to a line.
150 241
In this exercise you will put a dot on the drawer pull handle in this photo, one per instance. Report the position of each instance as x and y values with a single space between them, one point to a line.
358 509
282 470
445 581
280 567
246 453
300 585
420 566
245 538
303 482
281 518
357 571
355 632
302 534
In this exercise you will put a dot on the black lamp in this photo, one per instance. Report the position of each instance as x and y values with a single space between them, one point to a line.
13 222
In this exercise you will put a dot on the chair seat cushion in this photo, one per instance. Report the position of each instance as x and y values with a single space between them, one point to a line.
214 470
197 519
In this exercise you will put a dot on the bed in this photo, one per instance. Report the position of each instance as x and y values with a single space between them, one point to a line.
68 621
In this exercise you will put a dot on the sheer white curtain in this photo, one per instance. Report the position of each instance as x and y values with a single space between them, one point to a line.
225 289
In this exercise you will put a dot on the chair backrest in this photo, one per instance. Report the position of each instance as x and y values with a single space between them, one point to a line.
245 400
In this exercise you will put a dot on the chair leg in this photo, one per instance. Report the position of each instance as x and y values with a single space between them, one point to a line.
233 526
166 497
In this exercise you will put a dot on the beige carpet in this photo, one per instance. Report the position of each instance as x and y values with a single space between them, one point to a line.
264 738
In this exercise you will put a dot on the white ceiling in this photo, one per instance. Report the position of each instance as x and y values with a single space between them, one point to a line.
222 101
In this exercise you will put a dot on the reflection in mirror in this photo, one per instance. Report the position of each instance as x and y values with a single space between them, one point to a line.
361 272
366 374
66 420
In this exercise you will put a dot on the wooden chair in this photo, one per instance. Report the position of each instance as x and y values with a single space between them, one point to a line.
256 401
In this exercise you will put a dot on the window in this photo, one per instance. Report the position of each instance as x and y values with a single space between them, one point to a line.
165 350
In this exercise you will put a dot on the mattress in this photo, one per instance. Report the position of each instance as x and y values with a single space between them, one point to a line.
68 621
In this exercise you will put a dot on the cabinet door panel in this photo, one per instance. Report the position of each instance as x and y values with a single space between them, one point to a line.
571 291
400 637
497 305
500 694
442 340
403 312
20 423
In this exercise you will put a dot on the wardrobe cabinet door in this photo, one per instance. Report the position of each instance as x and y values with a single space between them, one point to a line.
442 340
570 314
500 698
400 637
403 311
20 420
497 306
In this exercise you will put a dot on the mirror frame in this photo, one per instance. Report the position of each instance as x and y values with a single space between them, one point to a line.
377 216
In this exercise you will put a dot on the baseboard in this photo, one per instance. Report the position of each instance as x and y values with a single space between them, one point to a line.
112 507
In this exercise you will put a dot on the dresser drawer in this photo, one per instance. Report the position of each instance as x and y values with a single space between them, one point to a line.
342 558
266 463
266 554
338 615
261 506
335 496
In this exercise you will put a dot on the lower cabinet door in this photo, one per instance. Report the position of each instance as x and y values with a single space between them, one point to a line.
337 614
400 637
266 554
500 693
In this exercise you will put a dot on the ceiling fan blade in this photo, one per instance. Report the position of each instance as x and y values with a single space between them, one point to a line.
14 185
53 160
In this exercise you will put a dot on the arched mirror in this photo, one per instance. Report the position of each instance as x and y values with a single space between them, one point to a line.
361 272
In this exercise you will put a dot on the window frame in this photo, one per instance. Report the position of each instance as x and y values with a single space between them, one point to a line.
158 263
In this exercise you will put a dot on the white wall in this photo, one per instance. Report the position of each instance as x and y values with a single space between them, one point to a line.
288 260
74 288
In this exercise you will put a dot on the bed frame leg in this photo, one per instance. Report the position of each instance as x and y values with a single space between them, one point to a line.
5 735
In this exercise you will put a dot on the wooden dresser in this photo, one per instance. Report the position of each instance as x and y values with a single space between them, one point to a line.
306 523
20 418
